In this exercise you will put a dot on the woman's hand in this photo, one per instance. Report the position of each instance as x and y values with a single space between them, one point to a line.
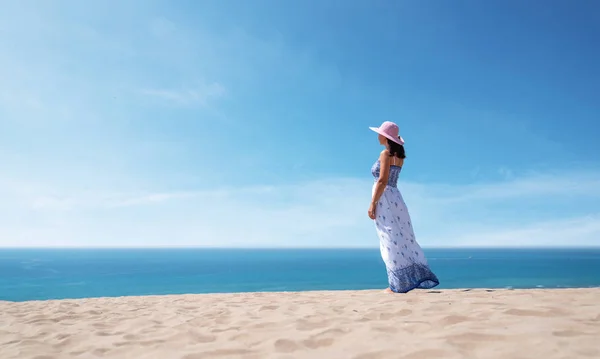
372 208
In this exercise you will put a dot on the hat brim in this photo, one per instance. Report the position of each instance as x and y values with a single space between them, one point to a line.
399 140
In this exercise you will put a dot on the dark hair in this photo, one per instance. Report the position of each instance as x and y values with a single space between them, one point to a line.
396 149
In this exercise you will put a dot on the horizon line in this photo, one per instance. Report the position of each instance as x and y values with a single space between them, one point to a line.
596 246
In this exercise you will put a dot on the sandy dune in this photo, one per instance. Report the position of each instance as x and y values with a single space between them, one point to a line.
449 324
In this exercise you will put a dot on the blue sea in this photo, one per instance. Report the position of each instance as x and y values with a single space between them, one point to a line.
37 274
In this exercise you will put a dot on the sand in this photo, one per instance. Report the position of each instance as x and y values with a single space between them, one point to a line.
478 324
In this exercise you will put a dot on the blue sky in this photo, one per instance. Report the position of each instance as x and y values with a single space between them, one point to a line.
231 123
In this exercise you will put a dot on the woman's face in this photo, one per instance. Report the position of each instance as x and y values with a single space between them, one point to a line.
382 140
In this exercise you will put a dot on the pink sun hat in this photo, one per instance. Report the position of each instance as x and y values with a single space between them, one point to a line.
390 131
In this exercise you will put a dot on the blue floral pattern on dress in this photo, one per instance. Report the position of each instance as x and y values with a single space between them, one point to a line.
393 176
407 267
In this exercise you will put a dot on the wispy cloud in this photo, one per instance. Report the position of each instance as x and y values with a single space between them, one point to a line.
87 161
201 96
554 185
561 232
317 213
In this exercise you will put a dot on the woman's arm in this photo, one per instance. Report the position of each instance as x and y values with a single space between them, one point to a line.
384 172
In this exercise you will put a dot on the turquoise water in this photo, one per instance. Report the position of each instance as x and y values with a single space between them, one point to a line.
31 274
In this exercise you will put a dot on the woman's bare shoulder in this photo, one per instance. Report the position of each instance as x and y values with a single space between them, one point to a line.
384 156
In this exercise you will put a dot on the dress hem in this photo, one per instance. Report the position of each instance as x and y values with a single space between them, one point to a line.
406 278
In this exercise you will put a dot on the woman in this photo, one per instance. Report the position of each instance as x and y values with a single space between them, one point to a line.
406 265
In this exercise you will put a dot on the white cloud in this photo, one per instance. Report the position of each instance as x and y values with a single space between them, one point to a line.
200 96
325 213
583 231
89 130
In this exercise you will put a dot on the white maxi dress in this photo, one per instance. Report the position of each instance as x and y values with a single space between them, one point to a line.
407 267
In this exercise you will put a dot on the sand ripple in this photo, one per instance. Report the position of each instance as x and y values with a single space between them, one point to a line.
360 325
